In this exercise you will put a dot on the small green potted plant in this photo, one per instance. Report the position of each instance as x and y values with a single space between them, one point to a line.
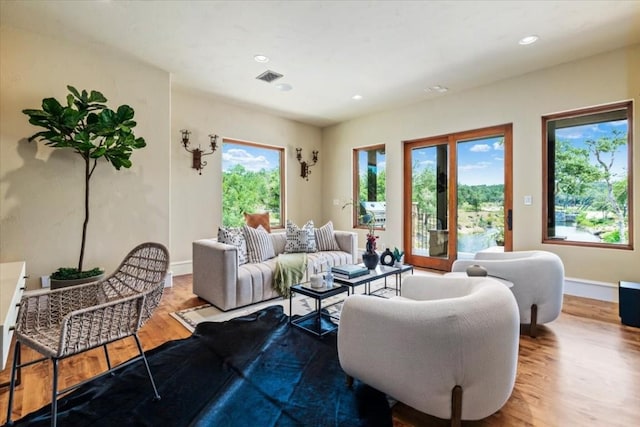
397 256
87 126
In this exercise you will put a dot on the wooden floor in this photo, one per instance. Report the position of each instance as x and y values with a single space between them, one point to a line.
582 370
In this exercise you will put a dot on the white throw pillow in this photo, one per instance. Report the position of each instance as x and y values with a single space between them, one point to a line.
235 237
325 239
300 239
259 244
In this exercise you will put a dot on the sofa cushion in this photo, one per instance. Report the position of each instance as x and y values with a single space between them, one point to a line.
235 237
256 219
259 245
325 238
300 239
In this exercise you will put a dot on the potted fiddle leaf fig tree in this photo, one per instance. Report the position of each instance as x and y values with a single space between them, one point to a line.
85 125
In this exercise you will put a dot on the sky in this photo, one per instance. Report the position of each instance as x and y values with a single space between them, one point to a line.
252 158
577 135
479 161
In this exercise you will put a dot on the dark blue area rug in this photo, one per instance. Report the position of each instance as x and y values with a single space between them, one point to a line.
254 370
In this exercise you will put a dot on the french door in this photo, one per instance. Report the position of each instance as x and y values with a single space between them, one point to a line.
457 196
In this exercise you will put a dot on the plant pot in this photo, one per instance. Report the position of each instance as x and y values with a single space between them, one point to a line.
370 260
60 283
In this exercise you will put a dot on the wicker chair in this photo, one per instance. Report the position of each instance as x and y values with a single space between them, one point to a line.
71 320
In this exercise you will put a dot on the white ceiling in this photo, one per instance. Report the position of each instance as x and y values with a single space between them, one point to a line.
328 51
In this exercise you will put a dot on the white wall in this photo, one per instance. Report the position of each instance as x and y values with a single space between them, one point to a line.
522 101
42 199
196 201
162 199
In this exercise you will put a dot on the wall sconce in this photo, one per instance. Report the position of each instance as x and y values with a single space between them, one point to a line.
304 166
198 164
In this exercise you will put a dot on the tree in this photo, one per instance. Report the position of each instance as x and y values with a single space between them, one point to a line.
604 149
574 173
91 130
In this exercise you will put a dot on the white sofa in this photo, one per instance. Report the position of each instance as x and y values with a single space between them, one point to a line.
448 347
538 281
218 279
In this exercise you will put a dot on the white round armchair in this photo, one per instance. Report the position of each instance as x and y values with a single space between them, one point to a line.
448 347
538 281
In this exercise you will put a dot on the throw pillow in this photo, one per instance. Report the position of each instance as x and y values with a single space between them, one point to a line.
259 244
256 219
300 239
325 239
235 237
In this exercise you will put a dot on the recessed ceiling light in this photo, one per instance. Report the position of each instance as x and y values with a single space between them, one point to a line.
284 87
356 97
436 88
528 40
261 58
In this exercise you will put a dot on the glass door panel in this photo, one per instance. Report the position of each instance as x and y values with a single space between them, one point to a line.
429 207
480 195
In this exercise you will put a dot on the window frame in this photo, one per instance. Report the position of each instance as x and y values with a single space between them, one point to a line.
356 186
548 181
281 166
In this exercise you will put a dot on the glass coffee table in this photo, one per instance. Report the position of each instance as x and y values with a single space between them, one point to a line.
380 272
317 322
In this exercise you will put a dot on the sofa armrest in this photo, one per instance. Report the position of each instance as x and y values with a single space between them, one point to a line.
348 242
215 272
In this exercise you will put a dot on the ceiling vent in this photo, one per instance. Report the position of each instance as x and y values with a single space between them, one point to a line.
269 76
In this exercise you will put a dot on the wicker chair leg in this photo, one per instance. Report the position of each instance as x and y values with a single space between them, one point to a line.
106 356
54 393
146 364
12 381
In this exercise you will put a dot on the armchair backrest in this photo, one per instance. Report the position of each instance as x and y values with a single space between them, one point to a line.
143 270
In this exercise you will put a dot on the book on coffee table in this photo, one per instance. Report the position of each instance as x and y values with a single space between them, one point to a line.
349 271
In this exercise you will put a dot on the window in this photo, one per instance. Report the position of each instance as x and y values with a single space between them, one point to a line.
369 188
252 182
587 196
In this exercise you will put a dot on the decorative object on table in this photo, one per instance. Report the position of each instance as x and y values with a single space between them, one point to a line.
316 281
328 279
305 166
198 153
349 271
397 256
370 257
92 130
476 270
387 258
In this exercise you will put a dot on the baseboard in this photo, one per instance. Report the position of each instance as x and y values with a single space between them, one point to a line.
182 267
591 289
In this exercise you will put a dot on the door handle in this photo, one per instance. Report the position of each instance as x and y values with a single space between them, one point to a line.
510 220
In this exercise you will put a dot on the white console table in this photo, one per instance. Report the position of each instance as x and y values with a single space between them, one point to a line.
12 285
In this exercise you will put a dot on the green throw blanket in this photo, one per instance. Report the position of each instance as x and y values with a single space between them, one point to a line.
290 270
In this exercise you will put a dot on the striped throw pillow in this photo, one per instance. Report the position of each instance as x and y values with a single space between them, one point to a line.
259 244
325 239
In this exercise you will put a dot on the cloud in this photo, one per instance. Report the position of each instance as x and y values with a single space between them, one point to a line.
238 156
480 148
473 166
498 146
